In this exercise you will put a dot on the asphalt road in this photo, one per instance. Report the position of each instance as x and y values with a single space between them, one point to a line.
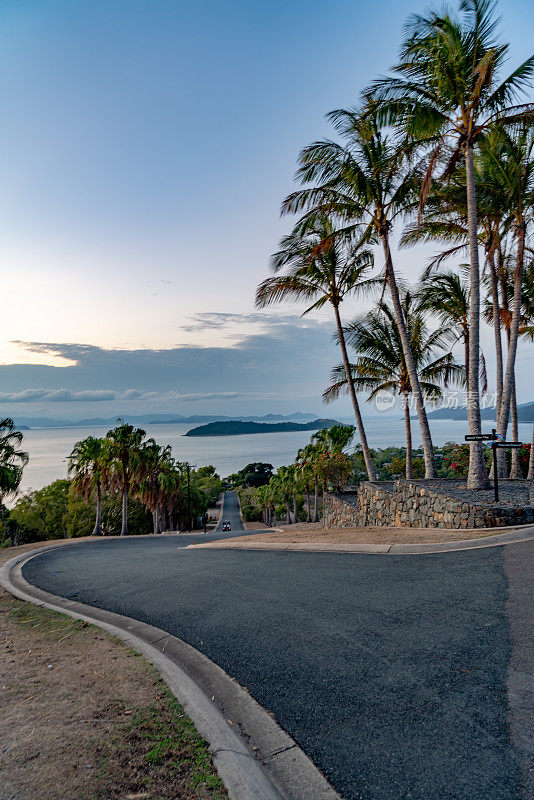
403 677
230 512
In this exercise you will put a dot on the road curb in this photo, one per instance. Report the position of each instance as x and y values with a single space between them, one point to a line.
499 539
253 755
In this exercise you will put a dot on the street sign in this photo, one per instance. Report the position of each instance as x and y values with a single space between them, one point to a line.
509 444
480 437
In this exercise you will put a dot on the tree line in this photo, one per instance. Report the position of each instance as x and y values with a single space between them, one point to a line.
123 477
440 150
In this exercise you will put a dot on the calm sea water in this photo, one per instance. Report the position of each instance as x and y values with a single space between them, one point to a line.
49 447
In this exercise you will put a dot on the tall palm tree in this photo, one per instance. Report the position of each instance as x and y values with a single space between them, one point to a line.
381 366
444 219
88 464
445 93
445 295
369 183
124 449
513 162
321 268
12 459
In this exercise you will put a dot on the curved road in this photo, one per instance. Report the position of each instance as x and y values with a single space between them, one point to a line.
401 676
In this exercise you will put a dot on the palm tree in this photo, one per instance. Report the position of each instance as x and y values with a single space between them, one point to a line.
368 182
282 483
305 463
173 488
324 269
88 464
381 365
513 162
444 219
156 468
445 295
12 460
124 449
445 94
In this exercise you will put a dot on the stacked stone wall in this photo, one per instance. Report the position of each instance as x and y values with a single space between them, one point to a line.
424 504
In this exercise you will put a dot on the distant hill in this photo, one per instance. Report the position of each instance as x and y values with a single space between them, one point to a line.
236 427
525 413
148 419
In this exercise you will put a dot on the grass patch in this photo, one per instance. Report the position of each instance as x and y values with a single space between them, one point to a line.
162 747
43 620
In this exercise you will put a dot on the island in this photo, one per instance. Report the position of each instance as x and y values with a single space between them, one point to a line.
525 413
235 427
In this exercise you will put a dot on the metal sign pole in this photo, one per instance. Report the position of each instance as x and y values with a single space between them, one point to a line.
495 473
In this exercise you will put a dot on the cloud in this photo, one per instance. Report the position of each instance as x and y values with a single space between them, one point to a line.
57 396
274 356
108 395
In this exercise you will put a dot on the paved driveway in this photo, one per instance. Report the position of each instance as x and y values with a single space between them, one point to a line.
401 676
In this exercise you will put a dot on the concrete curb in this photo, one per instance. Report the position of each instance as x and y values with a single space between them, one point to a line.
254 757
499 539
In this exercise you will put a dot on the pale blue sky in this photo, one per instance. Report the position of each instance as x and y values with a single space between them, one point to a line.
144 151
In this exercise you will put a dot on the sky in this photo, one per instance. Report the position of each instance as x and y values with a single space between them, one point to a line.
145 148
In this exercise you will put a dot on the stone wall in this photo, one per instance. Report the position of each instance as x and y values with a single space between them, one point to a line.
428 504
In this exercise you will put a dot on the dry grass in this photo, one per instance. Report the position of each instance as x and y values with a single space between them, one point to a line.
314 532
82 717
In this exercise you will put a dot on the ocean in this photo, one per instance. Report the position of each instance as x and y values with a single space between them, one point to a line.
49 447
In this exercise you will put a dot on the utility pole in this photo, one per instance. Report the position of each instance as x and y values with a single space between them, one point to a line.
189 467
189 498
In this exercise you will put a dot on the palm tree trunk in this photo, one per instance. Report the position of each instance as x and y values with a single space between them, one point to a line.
428 449
505 305
156 519
288 509
466 361
497 331
516 473
477 477
316 500
97 530
295 513
350 383
408 426
308 504
530 475
509 378
124 526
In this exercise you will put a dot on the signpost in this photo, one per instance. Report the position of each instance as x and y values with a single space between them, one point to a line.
495 439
